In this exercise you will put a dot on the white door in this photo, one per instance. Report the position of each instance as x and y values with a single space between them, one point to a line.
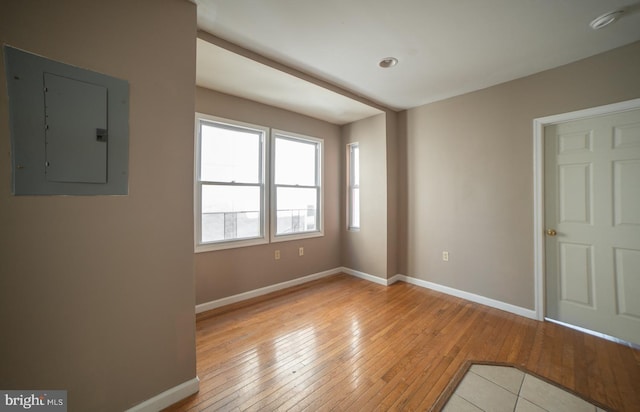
592 219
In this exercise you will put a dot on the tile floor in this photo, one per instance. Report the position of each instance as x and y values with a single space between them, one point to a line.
502 388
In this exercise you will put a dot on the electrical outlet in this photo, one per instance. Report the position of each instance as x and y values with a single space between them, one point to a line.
445 256
301 251
277 255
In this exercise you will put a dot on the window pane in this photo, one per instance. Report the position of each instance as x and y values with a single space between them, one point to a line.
355 208
229 155
295 162
355 159
230 212
354 186
296 210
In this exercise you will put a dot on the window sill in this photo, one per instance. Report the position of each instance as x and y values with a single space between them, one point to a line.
234 244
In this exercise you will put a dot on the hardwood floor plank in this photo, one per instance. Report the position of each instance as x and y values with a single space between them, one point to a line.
568 359
526 350
605 355
443 347
580 364
345 344
621 360
533 362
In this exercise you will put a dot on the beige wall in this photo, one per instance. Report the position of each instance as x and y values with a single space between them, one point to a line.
96 292
229 272
469 174
365 250
392 193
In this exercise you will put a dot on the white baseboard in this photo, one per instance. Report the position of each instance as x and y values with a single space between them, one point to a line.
527 313
395 278
203 307
507 307
366 276
168 397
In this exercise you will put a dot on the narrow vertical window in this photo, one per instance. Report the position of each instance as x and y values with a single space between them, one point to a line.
353 194
297 186
230 180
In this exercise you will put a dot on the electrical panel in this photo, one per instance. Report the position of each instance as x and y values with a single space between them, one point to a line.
69 128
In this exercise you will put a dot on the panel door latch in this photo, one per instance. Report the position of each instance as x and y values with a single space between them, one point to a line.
101 135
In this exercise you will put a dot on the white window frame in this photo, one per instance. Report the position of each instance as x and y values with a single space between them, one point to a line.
198 184
319 184
351 186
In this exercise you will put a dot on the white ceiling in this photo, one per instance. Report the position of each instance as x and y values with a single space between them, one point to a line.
444 47
222 70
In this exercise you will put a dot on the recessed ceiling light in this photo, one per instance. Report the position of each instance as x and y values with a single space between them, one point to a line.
388 62
606 19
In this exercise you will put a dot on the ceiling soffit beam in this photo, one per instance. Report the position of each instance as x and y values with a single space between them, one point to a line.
234 48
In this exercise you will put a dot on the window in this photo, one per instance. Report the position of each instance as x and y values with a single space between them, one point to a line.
353 194
237 203
230 179
297 190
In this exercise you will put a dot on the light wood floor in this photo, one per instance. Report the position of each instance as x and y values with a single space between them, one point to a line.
342 343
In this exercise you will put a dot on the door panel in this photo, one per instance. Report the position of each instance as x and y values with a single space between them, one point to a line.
575 193
627 282
592 201
577 142
626 192
627 136
576 273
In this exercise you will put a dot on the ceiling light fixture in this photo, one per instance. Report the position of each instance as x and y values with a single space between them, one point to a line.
606 19
388 62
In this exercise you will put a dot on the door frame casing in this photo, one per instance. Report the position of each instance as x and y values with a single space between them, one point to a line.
538 186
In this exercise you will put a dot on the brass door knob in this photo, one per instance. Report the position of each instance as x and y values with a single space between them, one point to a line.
551 232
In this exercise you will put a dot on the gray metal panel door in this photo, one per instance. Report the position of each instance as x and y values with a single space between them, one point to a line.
75 114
